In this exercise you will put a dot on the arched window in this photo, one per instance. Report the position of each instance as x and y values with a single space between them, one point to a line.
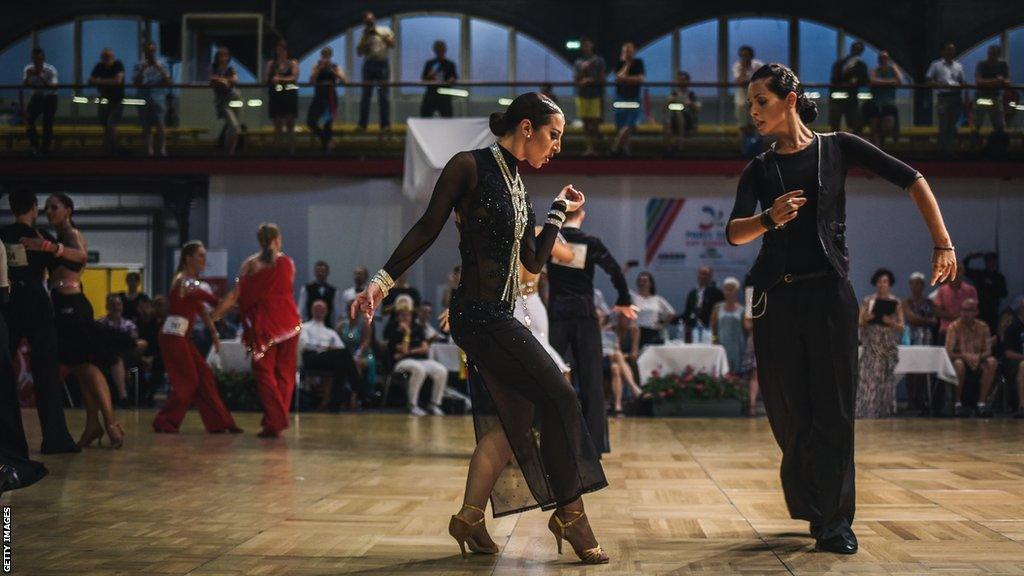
13 60
536 63
698 45
121 35
769 37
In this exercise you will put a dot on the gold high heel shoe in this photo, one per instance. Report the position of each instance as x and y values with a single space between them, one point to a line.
88 437
595 555
473 534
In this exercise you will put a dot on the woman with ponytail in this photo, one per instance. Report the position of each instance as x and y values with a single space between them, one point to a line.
271 324
189 375
533 449
82 345
803 307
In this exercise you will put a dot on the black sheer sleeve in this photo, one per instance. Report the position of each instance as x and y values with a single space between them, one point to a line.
457 178
746 197
858 151
607 262
534 251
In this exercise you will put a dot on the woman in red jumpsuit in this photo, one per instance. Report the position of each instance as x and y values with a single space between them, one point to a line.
271 324
191 379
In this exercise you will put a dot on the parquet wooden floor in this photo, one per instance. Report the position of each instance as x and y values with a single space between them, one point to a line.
371 494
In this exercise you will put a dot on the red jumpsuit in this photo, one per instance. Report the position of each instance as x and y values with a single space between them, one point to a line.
271 325
190 376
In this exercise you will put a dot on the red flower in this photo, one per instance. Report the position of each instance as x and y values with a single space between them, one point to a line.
688 377
661 394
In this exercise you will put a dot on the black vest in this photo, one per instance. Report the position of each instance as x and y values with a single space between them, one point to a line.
770 266
313 293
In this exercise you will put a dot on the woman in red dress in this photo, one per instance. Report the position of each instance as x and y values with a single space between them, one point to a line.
191 379
271 324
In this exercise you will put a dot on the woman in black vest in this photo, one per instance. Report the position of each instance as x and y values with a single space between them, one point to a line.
804 309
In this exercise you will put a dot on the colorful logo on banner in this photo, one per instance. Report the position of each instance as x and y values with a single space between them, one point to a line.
690 232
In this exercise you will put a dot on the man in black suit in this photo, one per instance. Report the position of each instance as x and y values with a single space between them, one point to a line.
700 301
573 318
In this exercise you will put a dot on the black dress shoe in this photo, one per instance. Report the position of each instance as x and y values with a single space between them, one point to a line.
8 478
67 448
843 543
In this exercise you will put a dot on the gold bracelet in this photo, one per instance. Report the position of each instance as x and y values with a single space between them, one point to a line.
383 281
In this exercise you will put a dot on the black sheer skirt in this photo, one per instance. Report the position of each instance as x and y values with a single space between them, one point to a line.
515 384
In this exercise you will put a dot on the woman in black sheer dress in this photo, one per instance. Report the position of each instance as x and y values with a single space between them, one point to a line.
533 449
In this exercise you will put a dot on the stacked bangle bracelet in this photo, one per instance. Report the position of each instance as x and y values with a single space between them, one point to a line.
383 281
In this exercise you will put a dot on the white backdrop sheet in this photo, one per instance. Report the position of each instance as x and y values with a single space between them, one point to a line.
431 142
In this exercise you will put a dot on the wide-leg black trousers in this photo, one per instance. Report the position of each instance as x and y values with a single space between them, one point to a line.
805 341
582 336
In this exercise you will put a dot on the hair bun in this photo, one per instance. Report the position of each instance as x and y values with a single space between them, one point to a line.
497 124
807 109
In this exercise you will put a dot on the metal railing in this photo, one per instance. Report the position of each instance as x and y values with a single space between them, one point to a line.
194 127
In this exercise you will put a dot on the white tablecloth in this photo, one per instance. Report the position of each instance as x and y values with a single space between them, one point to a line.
926 360
669 358
447 354
232 357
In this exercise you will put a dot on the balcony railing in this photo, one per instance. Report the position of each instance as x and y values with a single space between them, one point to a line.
194 128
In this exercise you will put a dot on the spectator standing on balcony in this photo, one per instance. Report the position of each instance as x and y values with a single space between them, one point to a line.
438 72
223 78
881 110
991 75
947 75
681 111
990 284
629 76
848 75
151 77
374 46
588 74
742 70
282 75
108 76
326 75
41 76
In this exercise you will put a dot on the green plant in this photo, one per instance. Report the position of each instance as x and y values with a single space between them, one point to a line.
693 385
238 390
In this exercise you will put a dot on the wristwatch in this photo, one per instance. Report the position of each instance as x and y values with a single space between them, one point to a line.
768 223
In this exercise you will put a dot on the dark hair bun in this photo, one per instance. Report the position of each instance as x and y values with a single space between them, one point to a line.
497 124
807 109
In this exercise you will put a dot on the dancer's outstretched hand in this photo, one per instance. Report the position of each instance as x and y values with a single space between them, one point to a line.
944 266
366 302
574 199
628 312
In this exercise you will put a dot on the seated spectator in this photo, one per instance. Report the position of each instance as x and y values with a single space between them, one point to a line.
619 369
848 75
151 77
359 338
969 345
438 72
323 350
948 300
131 298
121 360
409 349
108 75
653 311
681 110
425 318
1013 354
401 288
881 110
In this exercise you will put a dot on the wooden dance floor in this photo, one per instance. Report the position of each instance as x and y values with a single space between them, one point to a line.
371 494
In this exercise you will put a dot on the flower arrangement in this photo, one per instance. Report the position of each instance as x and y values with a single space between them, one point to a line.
693 385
